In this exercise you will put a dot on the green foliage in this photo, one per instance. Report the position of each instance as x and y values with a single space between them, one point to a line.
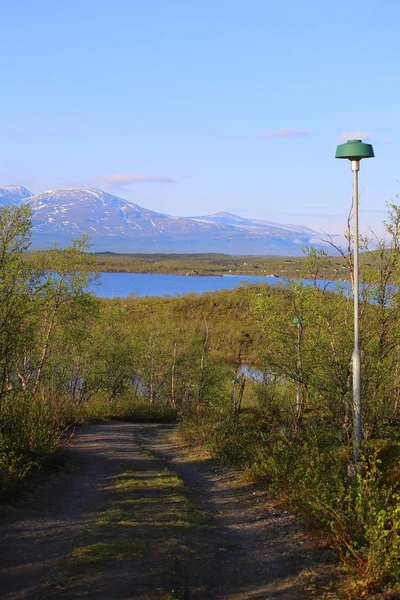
316 260
361 511
125 408
220 264
67 357
35 301
18 283
366 526
298 436
28 435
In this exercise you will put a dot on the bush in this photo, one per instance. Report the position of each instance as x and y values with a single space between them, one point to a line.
28 434
13 467
125 408
362 512
364 517
309 470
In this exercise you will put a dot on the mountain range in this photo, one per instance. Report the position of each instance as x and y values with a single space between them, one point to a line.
118 225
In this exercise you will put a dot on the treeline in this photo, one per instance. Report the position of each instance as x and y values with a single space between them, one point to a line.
259 376
219 264
38 304
296 435
66 356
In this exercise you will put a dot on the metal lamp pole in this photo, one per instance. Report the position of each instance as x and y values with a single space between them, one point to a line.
355 150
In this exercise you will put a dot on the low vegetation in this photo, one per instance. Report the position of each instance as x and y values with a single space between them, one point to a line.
245 381
219 264
148 518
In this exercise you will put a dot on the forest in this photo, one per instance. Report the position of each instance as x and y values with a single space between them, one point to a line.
258 376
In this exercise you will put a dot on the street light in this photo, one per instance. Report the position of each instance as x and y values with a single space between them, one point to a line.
354 151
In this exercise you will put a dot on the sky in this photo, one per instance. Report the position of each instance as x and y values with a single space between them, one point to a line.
191 107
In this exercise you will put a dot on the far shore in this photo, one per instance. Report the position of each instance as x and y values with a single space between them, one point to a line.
218 265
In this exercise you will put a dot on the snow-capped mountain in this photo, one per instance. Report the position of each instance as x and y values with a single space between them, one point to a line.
76 210
236 221
119 225
13 194
111 221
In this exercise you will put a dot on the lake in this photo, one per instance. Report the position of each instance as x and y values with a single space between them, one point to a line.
121 285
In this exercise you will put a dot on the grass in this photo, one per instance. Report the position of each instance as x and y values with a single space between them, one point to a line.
214 264
146 523
153 499
125 409
334 267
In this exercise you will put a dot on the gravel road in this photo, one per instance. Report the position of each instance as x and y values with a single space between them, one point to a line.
136 515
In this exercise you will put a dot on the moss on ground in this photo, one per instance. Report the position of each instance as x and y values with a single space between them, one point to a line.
147 522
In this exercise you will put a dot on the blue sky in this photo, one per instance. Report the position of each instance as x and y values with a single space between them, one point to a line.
190 107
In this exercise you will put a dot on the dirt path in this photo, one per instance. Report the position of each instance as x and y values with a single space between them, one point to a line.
137 516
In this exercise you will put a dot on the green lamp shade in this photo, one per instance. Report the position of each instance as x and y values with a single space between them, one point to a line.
297 320
354 150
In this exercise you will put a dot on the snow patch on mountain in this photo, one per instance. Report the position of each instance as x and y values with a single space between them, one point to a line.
13 194
119 225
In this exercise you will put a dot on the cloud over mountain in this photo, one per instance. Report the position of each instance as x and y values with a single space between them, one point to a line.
119 180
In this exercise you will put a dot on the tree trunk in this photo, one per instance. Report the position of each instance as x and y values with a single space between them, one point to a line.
173 399
44 349
202 366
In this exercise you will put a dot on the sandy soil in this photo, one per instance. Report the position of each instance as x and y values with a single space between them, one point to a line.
136 515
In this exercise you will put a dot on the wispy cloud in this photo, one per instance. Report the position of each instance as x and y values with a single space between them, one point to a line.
355 135
118 180
285 132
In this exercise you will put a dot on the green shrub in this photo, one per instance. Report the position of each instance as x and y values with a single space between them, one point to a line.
364 517
126 408
28 434
309 469
13 467
28 425
362 512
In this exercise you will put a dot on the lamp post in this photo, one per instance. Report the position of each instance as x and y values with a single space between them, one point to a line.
354 151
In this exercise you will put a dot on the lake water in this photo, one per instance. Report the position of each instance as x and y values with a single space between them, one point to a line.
121 285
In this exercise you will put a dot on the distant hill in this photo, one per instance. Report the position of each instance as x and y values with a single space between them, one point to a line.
13 194
119 225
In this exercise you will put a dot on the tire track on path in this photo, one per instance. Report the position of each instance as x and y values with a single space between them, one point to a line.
137 516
